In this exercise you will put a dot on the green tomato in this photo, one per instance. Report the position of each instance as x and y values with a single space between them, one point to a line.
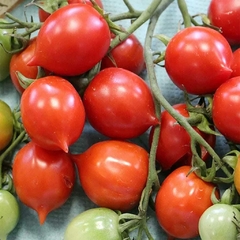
5 57
9 213
218 222
6 124
96 223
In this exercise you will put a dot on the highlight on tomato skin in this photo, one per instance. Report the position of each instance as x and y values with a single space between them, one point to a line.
226 16
52 113
119 104
174 136
121 161
180 202
129 55
83 32
202 60
33 166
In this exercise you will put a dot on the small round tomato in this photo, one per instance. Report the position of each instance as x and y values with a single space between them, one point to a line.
219 222
43 15
78 37
19 62
6 125
5 40
96 223
52 113
198 60
113 173
226 15
128 54
225 111
236 63
174 136
43 179
119 104
9 213
180 202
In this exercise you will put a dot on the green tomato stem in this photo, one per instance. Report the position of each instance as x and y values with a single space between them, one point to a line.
145 16
184 10
152 173
17 141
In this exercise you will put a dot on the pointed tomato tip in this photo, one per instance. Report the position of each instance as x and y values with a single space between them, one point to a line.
64 146
42 215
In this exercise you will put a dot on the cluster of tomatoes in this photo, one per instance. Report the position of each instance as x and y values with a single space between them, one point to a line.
64 84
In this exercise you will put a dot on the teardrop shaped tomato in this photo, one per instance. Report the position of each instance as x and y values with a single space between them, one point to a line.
77 39
43 179
119 104
52 113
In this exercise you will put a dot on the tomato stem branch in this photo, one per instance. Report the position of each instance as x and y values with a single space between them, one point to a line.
145 16
185 14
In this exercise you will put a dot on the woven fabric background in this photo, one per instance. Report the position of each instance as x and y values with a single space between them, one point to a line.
28 227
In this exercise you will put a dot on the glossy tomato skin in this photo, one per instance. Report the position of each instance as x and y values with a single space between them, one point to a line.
174 145
43 179
236 63
6 125
226 16
198 60
19 63
95 223
44 15
9 212
225 111
128 55
113 173
219 222
52 113
78 38
180 202
119 104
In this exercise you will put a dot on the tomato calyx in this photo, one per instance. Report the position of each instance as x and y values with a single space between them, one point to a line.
200 114
48 6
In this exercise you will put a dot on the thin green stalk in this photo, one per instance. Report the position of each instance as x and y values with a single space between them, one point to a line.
185 14
144 17
152 173
18 140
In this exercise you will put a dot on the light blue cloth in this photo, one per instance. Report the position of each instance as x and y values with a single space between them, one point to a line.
54 227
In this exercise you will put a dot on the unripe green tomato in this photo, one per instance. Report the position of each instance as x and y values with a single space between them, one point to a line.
218 222
96 223
5 57
9 213
6 124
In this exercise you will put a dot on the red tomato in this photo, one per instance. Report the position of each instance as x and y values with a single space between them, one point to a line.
225 111
128 55
198 60
52 113
119 104
113 173
174 136
180 202
19 63
44 15
43 179
236 63
226 15
78 37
